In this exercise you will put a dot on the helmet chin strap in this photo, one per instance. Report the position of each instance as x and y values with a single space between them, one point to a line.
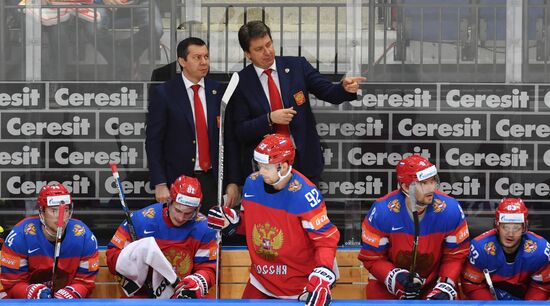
44 226
282 177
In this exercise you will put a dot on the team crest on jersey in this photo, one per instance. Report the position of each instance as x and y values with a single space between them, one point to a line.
30 229
439 205
394 206
267 240
490 248
530 246
180 261
149 213
294 186
78 230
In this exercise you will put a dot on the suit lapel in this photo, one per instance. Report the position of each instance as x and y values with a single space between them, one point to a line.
255 89
182 100
284 81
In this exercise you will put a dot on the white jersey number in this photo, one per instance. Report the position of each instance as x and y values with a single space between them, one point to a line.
313 197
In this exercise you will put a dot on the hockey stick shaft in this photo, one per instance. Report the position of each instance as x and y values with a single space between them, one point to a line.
57 249
233 82
490 283
121 196
412 197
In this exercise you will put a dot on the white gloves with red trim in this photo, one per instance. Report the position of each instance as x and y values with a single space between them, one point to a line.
317 291
192 286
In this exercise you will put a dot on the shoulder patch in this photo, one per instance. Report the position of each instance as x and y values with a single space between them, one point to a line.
78 230
439 205
394 206
294 186
149 213
30 229
529 246
254 176
490 248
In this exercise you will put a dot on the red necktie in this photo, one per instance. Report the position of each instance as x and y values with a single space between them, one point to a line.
276 103
202 131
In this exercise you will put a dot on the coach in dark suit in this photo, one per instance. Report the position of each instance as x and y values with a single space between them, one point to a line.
273 96
183 126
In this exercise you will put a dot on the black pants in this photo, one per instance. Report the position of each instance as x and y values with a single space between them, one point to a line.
209 187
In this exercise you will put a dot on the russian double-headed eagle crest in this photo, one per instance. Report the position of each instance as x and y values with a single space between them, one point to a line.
181 261
267 240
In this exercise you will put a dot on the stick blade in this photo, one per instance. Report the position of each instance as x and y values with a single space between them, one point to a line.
230 88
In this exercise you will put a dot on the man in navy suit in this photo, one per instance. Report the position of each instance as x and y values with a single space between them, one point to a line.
183 126
273 97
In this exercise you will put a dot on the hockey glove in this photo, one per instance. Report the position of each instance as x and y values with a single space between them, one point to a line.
443 291
192 286
38 291
224 219
317 290
399 284
67 293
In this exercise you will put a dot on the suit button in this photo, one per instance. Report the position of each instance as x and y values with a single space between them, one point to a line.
194 141
192 159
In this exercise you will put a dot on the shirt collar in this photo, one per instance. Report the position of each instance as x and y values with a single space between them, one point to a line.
188 83
260 71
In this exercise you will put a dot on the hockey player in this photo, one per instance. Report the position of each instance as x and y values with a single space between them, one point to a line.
28 252
291 241
181 238
389 232
515 260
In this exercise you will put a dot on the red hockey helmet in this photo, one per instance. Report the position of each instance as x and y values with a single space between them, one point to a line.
186 191
414 168
275 149
53 195
511 210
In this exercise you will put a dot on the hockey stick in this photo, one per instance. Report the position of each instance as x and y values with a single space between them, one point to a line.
412 197
490 283
59 234
121 196
223 105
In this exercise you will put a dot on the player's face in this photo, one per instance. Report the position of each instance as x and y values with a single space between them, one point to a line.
509 235
179 214
425 191
261 52
52 213
196 65
269 172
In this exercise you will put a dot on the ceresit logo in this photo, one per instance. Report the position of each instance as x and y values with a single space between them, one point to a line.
467 128
468 186
515 158
92 154
357 156
26 98
18 186
418 99
124 97
132 187
20 155
517 100
30 126
370 126
505 187
367 186
537 128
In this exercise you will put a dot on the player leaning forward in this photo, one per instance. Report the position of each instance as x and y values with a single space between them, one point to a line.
510 257
291 241
389 234
28 253
173 243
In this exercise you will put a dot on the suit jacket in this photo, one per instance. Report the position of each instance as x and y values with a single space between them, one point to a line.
170 136
297 78
166 72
